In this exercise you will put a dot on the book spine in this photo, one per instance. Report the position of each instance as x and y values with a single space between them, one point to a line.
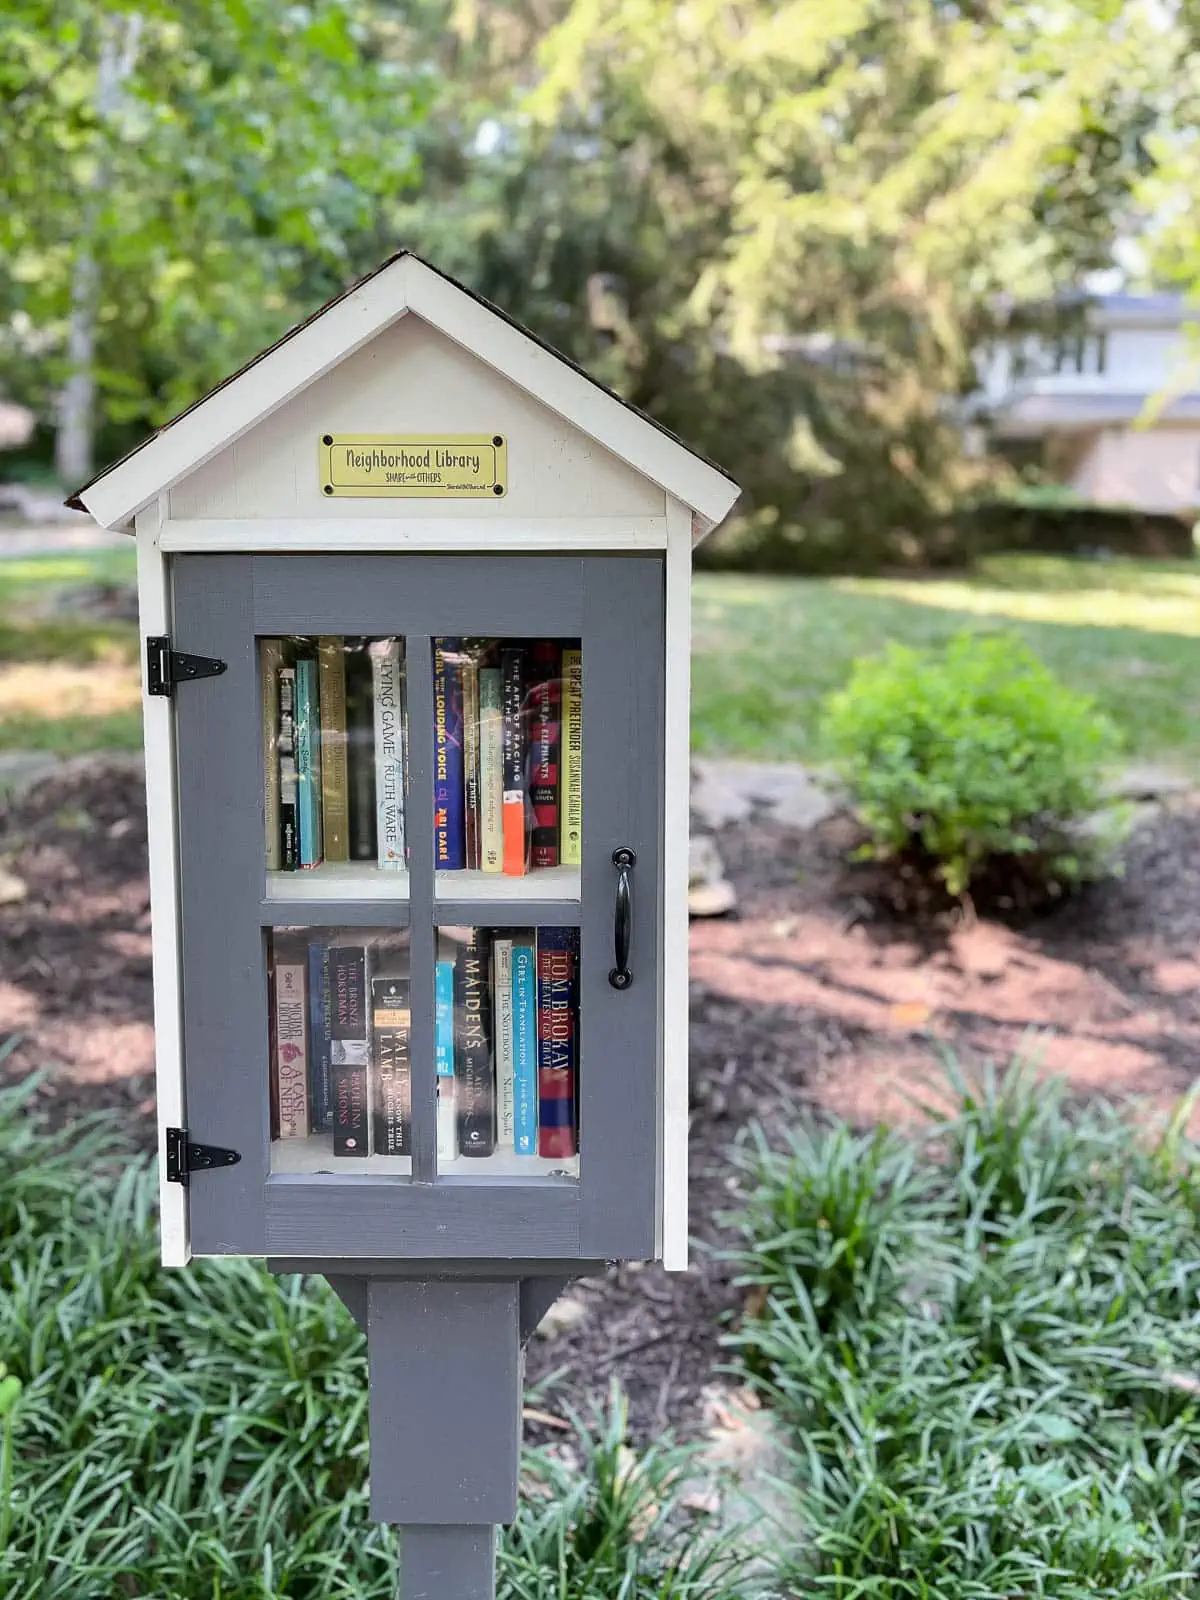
308 761
525 1057
443 1048
291 1048
360 753
449 835
319 1068
571 737
335 784
389 753
391 1019
270 661
512 673
491 771
474 1082
502 1002
289 832
471 820
544 740
350 1050
557 1045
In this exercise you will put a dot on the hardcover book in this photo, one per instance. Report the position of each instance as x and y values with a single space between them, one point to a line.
525 1062
443 1047
558 1047
391 1023
270 661
360 750
350 1050
512 686
335 787
544 706
474 1083
308 762
291 1046
571 741
491 771
502 1001
470 726
320 1070
289 830
389 752
449 835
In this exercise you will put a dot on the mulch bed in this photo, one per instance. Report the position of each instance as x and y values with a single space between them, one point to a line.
814 996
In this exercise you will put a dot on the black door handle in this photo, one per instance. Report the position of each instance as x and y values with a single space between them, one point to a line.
624 860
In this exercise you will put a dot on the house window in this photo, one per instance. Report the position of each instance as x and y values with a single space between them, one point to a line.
1081 352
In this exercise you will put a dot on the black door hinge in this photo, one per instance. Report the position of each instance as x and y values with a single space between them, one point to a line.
166 667
183 1158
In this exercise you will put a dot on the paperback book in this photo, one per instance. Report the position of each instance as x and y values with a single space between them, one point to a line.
448 798
349 1050
544 706
335 785
290 1099
320 1059
557 1046
389 752
571 786
390 1025
525 1056
474 1082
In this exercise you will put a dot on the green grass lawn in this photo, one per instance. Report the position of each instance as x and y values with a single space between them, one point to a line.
767 650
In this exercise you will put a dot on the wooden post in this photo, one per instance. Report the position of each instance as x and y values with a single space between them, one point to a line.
447 1563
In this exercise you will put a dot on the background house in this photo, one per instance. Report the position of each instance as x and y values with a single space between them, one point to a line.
1111 407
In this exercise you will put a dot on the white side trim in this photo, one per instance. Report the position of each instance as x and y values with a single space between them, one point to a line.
417 533
557 385
223 417
154 611
677 810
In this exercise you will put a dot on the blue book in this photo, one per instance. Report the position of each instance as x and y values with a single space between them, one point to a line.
449 834
557 1044
319 1036
443 1018
525 1087
308 761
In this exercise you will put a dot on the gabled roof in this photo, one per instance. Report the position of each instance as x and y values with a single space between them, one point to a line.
315 346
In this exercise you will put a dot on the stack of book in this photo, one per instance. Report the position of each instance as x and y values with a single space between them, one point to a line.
506 1009
333 751
508 751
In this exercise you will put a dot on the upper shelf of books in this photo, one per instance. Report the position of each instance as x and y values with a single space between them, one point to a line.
505 746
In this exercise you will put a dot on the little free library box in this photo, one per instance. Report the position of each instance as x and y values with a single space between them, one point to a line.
415 595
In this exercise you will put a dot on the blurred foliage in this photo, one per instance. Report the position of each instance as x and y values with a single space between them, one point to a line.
784 230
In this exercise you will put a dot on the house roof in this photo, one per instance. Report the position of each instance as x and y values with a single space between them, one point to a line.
402 283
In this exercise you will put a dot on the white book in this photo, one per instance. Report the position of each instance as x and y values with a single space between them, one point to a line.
389 751
502 991
491 771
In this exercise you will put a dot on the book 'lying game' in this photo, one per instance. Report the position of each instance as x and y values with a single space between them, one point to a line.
349 1047
391 1019
389 752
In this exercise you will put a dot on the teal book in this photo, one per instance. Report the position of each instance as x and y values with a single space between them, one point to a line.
443 1051
525 1086
308 761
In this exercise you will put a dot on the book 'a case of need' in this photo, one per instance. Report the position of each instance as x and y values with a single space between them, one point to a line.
414 599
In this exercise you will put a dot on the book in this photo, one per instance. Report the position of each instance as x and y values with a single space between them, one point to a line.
391 1019
443 1049
512 686
389 752
470 737
360 750
319 1058
449 836
570 802
269 662
308 762
349 1049
335 786
557 962
289 834
491 771
474 1084
291 1045
525 1055
502 1025
544 704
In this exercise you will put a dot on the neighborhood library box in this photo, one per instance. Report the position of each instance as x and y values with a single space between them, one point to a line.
415 595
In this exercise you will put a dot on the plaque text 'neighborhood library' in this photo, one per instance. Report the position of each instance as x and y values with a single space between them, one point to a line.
451 466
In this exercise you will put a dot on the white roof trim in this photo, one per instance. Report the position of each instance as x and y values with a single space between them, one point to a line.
404 285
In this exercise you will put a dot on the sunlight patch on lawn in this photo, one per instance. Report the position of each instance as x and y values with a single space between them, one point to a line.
1151 612
58 689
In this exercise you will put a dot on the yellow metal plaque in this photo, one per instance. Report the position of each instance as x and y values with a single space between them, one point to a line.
444 466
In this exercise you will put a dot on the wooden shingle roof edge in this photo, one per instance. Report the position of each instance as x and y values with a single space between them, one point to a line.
403 283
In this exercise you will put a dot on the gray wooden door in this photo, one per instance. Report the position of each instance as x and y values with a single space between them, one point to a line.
614 605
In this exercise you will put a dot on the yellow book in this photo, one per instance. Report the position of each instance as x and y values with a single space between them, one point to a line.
335 787
570 852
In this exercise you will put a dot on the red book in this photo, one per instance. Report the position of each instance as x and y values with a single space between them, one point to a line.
545 740
557 1042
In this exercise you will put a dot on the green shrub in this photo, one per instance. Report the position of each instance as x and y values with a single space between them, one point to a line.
974 761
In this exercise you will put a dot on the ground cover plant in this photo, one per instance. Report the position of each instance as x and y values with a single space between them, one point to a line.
985 1345
201 1435
767 651
972 763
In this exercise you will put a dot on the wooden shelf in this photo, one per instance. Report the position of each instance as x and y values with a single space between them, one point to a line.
550 883
339 880
314 1156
